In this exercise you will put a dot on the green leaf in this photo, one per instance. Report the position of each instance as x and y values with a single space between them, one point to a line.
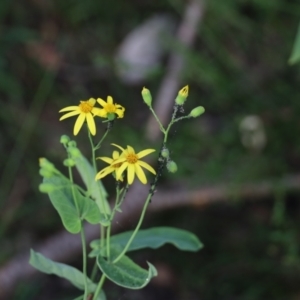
95 188
46 265
126 273
154 238
295 56
62 199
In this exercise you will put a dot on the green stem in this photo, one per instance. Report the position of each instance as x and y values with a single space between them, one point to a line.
136 229
95 167
158 121
82 235
99 287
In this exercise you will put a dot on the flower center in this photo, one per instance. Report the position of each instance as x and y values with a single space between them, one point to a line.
85 106
110 108
132 158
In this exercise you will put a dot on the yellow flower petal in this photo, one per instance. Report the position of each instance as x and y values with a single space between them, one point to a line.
91 123
68 108
115 155
110 100
146 166
140 173
122 149
104 172
92 101
101 102
121 170
78 123
130 173
145 152
70 114
106 159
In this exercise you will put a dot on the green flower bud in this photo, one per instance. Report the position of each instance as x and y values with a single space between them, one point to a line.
165 153
69 162
64 139
182 95
46 165
72 144
46 187
172 166
147 96
197 111
45 173
74 152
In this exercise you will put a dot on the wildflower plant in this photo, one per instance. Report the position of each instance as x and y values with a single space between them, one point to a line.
77 205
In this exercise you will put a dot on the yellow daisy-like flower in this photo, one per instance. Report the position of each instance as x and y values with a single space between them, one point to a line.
131 161
110 109
85 110
113 167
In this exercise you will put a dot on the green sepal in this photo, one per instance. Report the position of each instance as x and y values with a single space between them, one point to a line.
125 272
154 238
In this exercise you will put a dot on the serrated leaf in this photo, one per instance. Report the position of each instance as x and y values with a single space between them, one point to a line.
126 273
95 188
295 56
46 265
154 238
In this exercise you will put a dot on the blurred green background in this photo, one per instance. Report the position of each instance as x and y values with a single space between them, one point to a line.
55 53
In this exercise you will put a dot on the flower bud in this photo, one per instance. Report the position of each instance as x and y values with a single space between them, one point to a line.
72 144
46 165
74 152
69 162
165 153
45 173
147 96
64 139
197 111
182 95
172 166
46 187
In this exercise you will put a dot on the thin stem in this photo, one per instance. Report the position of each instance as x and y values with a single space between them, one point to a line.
136 229
99 287
158 121
102 139
82 235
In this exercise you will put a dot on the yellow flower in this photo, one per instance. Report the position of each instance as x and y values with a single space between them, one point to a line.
85 110
110 109
131 161
112 166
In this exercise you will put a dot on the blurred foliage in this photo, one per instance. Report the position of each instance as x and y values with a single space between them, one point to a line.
54 53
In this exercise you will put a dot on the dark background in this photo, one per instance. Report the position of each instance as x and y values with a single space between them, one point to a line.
55 53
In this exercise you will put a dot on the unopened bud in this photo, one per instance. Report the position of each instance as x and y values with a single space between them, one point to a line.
172 166
45 173
46 165
69 162
165 153
72 144
147 96
64 139
74 152
197 111
182 95
46 187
